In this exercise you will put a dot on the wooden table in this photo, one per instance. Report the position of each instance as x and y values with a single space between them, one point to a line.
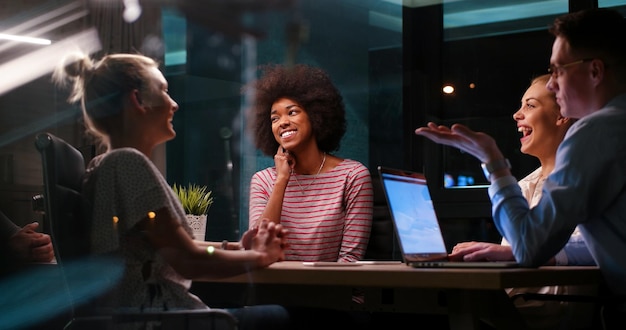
466 295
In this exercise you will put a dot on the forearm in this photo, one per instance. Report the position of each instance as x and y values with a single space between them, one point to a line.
224 245
355 237
351 251
531 244
358 218
354 241
191 258
215 263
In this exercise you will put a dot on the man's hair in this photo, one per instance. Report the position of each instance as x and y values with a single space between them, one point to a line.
595 33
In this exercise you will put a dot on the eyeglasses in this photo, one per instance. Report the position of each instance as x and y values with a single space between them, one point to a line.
558 70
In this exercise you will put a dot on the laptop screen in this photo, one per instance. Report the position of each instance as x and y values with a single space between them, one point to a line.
413 214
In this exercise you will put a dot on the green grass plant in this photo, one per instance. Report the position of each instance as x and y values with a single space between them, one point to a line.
196 199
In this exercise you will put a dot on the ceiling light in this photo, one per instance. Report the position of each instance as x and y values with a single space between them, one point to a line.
38 41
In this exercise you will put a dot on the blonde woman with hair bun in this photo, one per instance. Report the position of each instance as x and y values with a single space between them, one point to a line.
125 103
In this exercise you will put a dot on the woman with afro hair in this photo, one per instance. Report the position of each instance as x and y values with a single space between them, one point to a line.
324 201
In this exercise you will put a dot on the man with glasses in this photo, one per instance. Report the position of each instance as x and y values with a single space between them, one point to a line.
588 184
557 70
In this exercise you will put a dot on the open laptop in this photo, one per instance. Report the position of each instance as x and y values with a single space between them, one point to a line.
416 224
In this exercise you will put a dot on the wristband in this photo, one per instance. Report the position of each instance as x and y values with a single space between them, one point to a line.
494 166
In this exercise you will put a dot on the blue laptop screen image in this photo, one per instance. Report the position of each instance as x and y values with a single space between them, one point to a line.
414 214
416 224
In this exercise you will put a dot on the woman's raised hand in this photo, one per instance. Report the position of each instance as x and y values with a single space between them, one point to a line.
477 144
283 161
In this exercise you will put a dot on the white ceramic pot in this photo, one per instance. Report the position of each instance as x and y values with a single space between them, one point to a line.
198 225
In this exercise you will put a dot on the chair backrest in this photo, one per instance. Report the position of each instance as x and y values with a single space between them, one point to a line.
85 276
65 212
65 208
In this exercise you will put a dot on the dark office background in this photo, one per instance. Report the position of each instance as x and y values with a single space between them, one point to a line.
389 58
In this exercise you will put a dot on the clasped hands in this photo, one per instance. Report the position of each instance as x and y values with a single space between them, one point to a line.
268 237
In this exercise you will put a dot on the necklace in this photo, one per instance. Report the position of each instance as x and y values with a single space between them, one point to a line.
314 178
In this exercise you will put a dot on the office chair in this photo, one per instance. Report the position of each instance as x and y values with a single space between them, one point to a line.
86 277
382 244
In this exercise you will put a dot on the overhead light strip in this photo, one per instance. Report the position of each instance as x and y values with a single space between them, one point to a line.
56 18
51 15
31 40
43 61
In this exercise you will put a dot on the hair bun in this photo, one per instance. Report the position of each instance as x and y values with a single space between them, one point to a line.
77 64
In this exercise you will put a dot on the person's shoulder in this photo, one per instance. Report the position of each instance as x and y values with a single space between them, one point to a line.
354 169
618 102
124 155
269 172
615 108
266 171
125 152
353 165
607 121
120 158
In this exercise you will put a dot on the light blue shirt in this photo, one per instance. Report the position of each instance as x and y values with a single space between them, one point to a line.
587 187
575 252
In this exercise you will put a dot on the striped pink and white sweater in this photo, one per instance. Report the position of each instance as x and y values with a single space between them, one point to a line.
328 220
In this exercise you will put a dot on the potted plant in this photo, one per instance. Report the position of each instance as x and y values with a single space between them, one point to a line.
196 201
